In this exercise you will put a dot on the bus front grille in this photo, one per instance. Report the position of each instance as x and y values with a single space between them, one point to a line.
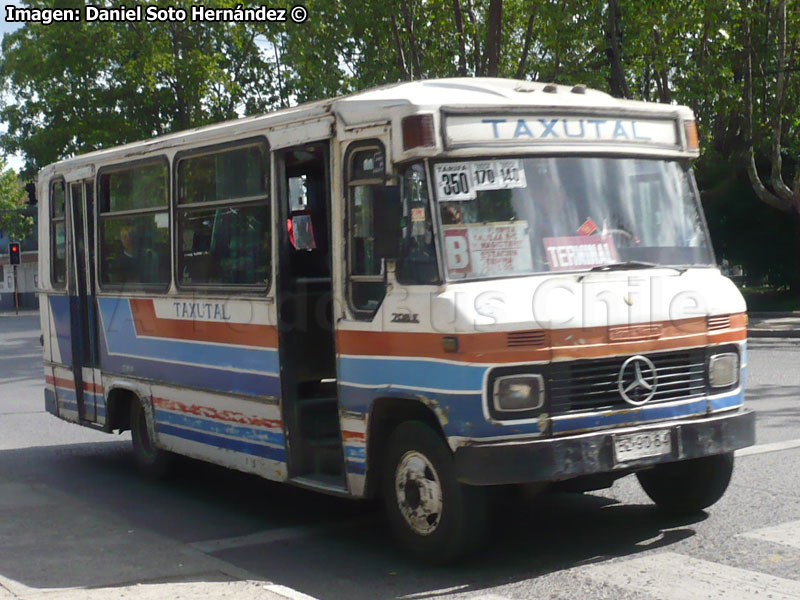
588 385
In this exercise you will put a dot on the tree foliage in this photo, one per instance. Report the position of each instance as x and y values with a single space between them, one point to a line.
13 221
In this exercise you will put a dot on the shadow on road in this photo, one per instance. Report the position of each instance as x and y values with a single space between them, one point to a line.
531 538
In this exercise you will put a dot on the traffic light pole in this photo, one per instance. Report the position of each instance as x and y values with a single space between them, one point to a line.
16 292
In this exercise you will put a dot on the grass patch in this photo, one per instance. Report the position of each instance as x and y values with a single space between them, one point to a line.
767 299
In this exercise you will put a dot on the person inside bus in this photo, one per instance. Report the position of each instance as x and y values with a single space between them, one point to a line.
134 263
125 266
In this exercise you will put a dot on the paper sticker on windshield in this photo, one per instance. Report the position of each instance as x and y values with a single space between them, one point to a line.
497 175
491 249
485 175
579 252
454 182
511 173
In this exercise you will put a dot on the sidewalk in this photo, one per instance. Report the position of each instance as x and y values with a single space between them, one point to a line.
23 312
774 324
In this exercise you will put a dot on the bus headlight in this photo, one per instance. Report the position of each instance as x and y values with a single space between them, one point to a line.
723 370
514 393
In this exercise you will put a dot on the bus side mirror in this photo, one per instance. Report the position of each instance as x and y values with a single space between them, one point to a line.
388 213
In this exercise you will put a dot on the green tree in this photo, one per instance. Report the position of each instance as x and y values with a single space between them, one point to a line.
76 87
16 225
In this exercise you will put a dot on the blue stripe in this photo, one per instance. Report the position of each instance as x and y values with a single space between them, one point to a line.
122 339
50 401
727 401
411 373
205 377
355 452
623 417
73 406
59 307
248 433
278 454
356 468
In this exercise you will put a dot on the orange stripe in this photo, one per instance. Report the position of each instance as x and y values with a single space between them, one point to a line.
492 347
70 384
735 333
213 413
353 435
92 387
239 334
60 382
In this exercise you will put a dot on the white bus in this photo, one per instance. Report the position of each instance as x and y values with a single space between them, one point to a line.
419 292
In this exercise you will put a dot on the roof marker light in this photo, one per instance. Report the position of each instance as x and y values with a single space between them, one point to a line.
418 132
550 89
578 89
692 139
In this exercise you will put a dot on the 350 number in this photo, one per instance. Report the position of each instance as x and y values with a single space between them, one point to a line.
455 184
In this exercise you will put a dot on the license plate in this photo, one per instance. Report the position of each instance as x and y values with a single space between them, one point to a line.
642 445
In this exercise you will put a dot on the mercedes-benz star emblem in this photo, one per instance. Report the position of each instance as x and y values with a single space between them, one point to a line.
637 380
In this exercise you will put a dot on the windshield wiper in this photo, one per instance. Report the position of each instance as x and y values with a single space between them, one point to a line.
635 264
621 266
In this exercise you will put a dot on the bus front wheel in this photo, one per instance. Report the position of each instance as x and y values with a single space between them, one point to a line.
685 488
150 460
431 514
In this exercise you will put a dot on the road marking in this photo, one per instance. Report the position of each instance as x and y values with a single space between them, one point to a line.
773 447
441 592
287 592
672 576
13 356
786 534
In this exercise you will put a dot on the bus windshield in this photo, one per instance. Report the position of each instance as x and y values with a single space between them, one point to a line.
517 216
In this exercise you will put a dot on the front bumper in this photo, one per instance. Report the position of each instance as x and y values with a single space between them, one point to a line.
555 459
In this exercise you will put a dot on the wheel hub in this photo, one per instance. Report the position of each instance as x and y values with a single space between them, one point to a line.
419 492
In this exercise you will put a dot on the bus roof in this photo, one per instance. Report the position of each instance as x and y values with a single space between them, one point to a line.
371 106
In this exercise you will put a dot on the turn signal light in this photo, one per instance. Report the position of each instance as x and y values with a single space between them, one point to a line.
692 139
418 132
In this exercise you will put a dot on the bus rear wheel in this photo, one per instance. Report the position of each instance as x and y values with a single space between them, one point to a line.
150 460
685 488
431 514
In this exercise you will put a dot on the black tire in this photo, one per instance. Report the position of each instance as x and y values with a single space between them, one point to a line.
687 487
151 461
419 460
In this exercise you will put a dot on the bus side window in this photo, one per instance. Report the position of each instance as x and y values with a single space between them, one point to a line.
134 225
58 235
223 217
416 263
373 219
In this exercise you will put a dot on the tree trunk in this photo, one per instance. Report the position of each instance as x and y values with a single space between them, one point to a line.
476 40
462 46
616 80
398 45
412 40
662 77
526 48
494 36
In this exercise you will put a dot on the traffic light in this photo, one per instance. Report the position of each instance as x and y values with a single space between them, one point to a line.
13 253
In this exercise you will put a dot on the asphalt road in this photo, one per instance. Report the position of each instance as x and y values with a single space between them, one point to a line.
77 521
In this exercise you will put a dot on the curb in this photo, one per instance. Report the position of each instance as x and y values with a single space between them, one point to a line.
773 333
774 315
